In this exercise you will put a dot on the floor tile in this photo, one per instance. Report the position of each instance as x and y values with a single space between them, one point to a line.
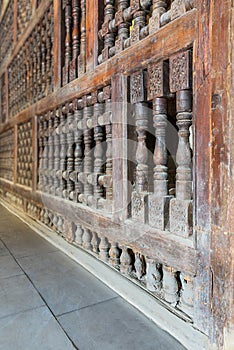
64 284
8 267
17 294
115 325
26 244
3 250
32 330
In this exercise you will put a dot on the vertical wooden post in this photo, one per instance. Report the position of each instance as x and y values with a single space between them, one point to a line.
94 10
121 190
202 159
57 44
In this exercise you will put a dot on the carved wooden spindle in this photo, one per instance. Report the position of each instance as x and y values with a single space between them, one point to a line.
105 120
180 82
68 41
170 285
158 8
82 55
88 158
79 234
98 152
63 153
40 154
38 67
78 153
140 196
122 25
43 58
158 89
95 243
49 55
56 152
45 154
153 276
75 39
187 294
87 237
114 254
108 36
139 265
51 153
70 151
139 20
104 249
125 261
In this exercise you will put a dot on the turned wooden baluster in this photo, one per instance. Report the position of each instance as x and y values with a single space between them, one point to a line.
139 265
158 89
43 57
187 294
75 39
104 249
153 275
109 36
180 83
63 153
158 8
139 21
38 67
170 285
56 152
40 153
68 41
95 243
122 25
98 169
125 261
88 158
79 234
82 55
45 154
105 120
51 153
78 152
114 254
49 71
70 150
139 196
86 239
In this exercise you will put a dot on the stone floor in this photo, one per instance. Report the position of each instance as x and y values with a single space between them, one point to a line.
47 301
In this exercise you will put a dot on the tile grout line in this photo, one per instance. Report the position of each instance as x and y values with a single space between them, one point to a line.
46 304
85 307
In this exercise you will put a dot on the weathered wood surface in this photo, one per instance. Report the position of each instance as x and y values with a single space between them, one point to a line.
106 51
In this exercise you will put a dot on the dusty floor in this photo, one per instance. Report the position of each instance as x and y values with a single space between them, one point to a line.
47 301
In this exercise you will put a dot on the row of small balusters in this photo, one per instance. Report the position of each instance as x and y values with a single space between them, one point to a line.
31 70
7 155
24 13
75 150
126 22
164 282
24 154
6 32
75 39
158 81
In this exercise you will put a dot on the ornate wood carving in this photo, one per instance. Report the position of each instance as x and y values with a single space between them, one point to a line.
6 32
24 12
30 72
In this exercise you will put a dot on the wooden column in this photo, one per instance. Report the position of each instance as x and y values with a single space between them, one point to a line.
121 187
